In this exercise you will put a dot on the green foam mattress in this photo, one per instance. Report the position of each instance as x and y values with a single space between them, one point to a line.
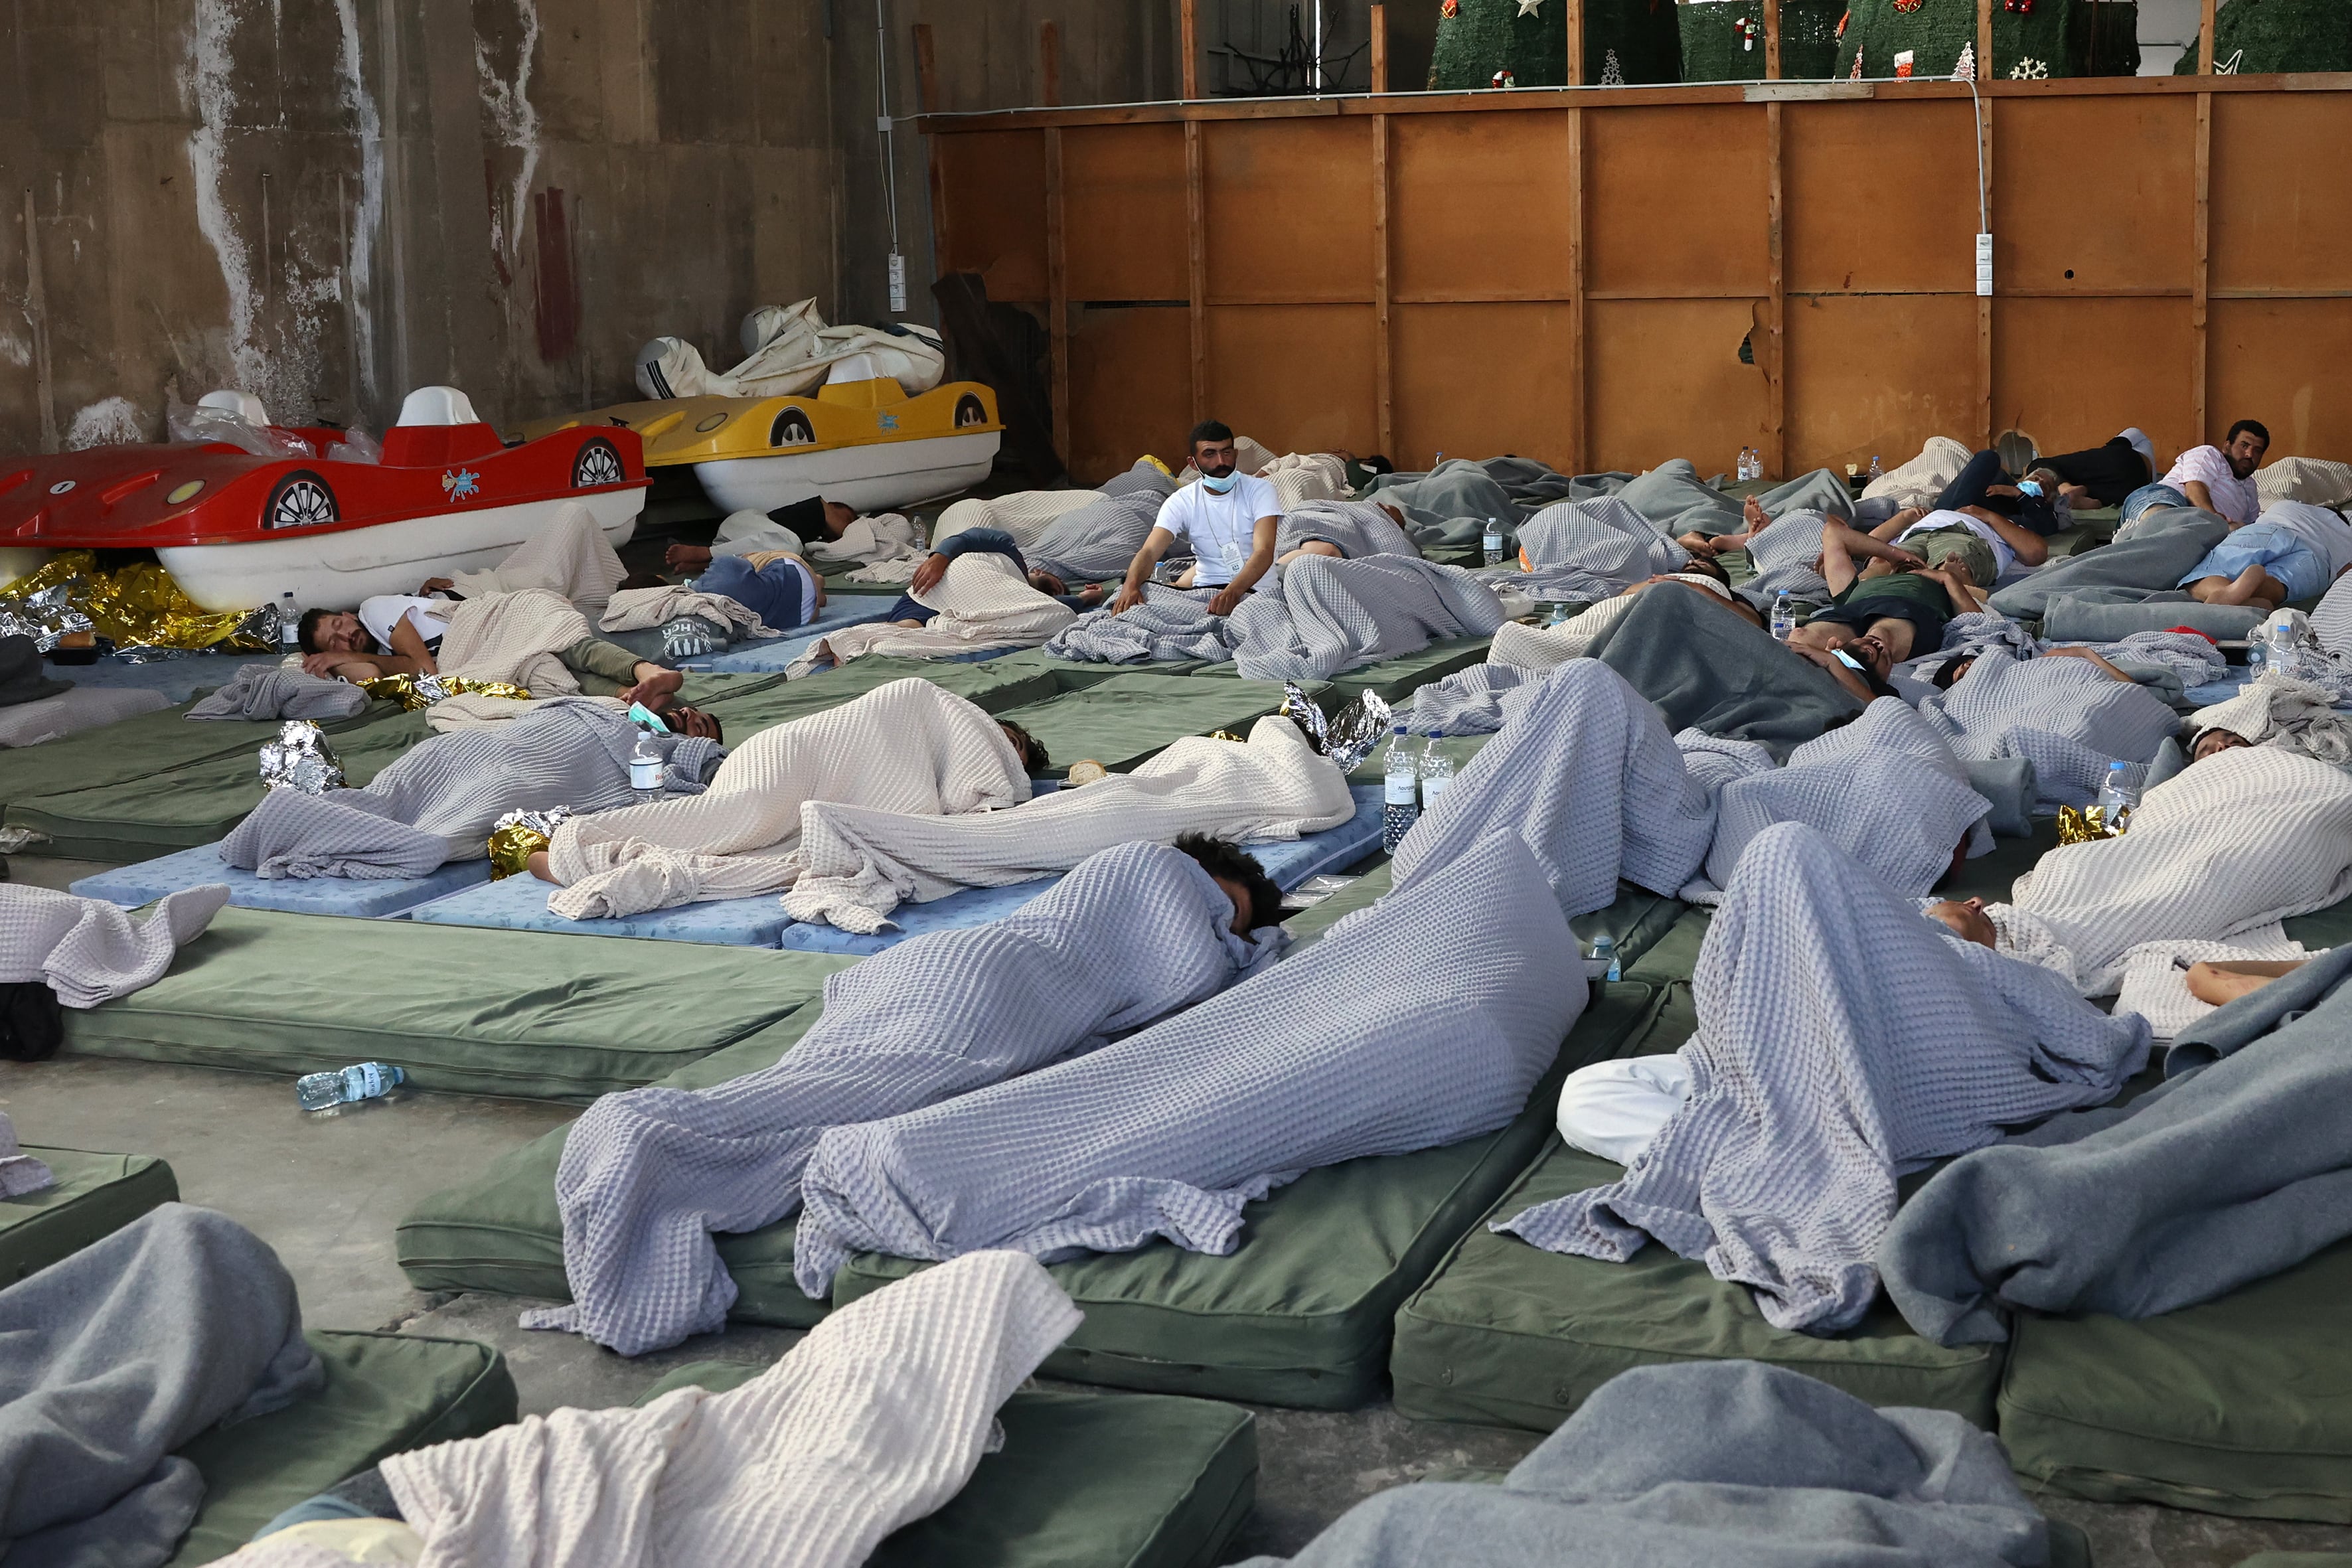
94 1196
1299 1313
1123 720
386 1394
1125 1479
1507 1334
2242 1405
531 1014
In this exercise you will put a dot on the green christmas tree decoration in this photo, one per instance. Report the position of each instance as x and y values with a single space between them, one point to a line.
1529 38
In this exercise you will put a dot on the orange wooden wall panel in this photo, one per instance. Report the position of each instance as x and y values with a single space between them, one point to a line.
1131 389
995 220
1456 181
1289 209
1878 373
1880 197
2103 189
1666 381
1297 378
2281 192
1481 379
2282 362
2072 372
1123 212
1674 200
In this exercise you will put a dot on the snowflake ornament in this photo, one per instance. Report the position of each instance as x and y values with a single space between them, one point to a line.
2028 70
1611 73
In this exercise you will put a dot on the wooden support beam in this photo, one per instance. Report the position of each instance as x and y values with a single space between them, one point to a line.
2205 37
1575 42
1380 47
1196 257
2199 281
1049 64
1383 343
1774 358
1057 291
1984 302
1188 35
927 89
36 314
1984 40
1579 452
1772 54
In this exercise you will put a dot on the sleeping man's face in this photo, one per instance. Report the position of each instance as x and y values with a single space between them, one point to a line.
1967 919
2215 742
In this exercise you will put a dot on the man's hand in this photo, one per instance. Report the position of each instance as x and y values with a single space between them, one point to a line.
686 558
1899 556
1129 595
926 575
655 686
1092 593
331 663
1225 600
432 585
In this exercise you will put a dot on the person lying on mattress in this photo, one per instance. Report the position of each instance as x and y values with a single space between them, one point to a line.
1770 1143
1977 542
2293 551
340 645
910 612
1133 935
787 528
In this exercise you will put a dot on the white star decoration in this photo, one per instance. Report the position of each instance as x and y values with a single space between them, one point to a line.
1528 7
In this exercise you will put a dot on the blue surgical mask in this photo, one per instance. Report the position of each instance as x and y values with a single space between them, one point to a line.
1218 485
641 714
2031 487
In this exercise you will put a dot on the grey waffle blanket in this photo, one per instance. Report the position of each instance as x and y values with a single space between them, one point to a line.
1096 541
1843 1039
1709 669
1474 702
2066 716
1587 775
1357 528
1450 503
273 691
2235 1169
1307 621
1133 935
89 950
2167 543
119 1354
1591 549
439 801
2107 614
1885 789
1713 1462
1786 556
1324 1058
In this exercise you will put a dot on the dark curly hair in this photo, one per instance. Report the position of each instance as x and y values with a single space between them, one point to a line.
1223 857
1033 757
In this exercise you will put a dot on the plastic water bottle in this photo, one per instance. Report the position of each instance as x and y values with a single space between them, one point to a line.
319 1091
1401 800
645 767
2255 654
1559 613
1604 956
1784 616
289 622
1493 542
1876 473
2117 798
1436 772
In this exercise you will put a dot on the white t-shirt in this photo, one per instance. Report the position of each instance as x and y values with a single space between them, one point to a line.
385 611
2003 557
1221 529
2234 498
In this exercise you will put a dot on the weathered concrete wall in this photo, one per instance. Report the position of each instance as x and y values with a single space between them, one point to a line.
330 203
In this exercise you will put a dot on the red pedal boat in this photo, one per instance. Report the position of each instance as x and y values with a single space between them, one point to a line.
236 529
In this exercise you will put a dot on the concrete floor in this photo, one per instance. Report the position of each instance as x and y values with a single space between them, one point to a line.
325 1191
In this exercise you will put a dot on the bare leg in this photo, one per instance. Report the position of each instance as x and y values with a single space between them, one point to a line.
2251 586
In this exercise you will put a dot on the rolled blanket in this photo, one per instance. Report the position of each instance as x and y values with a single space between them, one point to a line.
2066 716
2233 843
2312 480
860 860
1709 670
1726 1461
515 638
1169 1132
119 1353
273 691
866 541
438 800
906 747
1355 528
1097 542
2228 1173
1843 1039
1022 514
1299 478
1885 789
1591 549
634 609
1919 482
1132 935
46 719
876 1419
89 950
570 558
1585 773
983 602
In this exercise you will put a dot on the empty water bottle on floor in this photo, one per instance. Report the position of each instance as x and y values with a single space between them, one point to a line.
1876 472
2118 798
1493 542
320 1091
1604 958
1401 799
1559 613
1436 772
645 766
289 622
1784 616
